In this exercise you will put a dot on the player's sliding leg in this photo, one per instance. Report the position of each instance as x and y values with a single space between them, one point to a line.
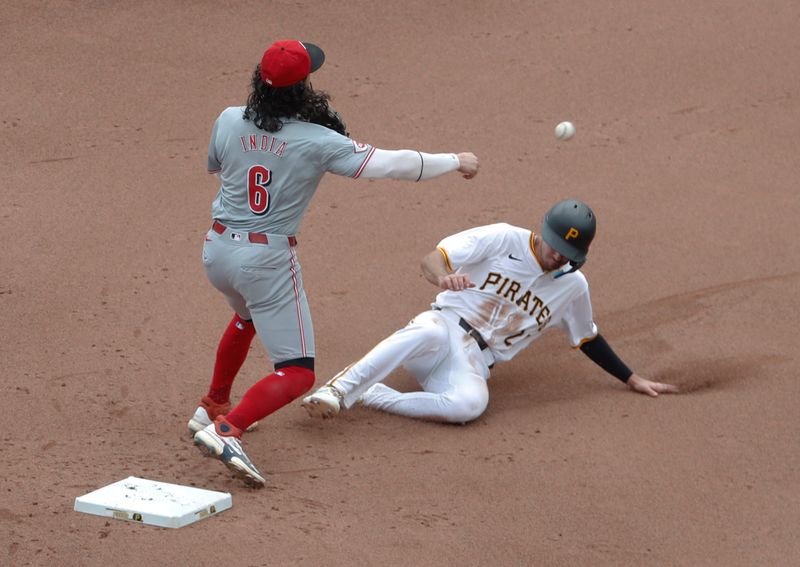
454 391
424 340
464 402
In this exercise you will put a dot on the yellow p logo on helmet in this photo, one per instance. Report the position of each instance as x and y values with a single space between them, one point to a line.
569 227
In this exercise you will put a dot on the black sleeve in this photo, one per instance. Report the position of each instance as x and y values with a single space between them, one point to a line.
601 354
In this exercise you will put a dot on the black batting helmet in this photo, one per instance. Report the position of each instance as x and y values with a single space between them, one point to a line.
569 227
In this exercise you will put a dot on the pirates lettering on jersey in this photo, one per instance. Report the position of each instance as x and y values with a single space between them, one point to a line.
530 303
263 143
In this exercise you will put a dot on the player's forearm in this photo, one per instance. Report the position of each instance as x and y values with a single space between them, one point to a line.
410 165
437 269
434 267
600 352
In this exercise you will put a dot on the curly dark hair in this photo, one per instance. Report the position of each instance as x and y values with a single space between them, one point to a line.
268 107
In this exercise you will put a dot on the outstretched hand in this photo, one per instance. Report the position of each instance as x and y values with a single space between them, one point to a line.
650 388
468 164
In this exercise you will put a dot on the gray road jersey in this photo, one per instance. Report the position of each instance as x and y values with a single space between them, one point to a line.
268 178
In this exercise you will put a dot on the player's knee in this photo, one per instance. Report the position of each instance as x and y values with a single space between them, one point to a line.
467 405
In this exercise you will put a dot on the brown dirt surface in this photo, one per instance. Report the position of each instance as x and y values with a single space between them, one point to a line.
688 118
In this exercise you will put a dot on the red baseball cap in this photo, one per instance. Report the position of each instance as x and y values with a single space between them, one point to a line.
287 62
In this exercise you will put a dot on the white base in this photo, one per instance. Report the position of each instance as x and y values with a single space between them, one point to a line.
151 502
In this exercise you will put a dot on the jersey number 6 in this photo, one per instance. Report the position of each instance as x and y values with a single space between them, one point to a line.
258 179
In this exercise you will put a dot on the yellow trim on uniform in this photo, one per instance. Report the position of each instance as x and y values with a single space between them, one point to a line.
533 251
339 375
446 259
584 341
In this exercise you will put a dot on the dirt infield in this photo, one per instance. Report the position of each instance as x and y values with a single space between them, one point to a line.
688 118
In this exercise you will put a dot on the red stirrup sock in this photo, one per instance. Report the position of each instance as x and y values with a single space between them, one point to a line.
270 394
231 353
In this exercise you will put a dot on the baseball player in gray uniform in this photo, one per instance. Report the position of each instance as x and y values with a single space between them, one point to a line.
270 156
504 286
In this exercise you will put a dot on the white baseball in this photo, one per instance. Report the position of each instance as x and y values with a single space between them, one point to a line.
564 131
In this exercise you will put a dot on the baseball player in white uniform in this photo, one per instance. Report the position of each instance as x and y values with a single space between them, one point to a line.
270 156
504 286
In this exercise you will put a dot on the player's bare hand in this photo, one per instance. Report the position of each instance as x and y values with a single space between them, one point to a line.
455 282
468 164
650 388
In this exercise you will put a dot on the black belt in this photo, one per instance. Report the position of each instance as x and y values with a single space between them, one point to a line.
473 333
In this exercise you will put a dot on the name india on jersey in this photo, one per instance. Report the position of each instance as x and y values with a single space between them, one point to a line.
263 143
